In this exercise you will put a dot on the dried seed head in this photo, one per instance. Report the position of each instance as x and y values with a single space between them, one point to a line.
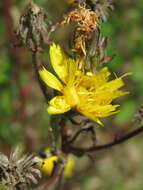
17 170
85 23
33 27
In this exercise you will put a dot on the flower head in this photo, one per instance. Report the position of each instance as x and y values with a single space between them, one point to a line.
87 93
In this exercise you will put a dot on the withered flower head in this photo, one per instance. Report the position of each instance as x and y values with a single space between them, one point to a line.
33 27
17 170
85 22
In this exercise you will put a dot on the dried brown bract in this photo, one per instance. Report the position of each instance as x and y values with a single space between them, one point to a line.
17 170
85 22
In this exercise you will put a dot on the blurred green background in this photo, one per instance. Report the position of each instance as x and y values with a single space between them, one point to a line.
23 116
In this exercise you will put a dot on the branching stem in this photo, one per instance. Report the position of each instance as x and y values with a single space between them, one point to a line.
126 137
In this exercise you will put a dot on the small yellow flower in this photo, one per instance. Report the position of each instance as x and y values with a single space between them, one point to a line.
48 162
88 93
47 165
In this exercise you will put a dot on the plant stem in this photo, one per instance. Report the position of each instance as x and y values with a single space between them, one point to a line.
126 137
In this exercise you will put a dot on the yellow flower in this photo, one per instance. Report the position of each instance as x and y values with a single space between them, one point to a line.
47 165
47 162
88 93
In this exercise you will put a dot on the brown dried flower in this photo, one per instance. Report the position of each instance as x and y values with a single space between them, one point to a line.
33 27
85 23
17 170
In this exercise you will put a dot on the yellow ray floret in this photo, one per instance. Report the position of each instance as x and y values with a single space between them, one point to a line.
88 93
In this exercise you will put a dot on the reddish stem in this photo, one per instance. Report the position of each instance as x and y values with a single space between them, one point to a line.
54 178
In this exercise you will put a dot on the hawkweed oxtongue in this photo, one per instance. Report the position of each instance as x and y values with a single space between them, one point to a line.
85 92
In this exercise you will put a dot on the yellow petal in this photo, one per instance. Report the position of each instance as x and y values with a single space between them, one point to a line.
96 120
58 105
95 80
59 61
103 74
103 111
50 79
119 93
96 111
72 70
92 116
112 85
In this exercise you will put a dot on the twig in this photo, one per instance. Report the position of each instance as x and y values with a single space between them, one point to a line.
64 136
126 137
88 129
53 179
